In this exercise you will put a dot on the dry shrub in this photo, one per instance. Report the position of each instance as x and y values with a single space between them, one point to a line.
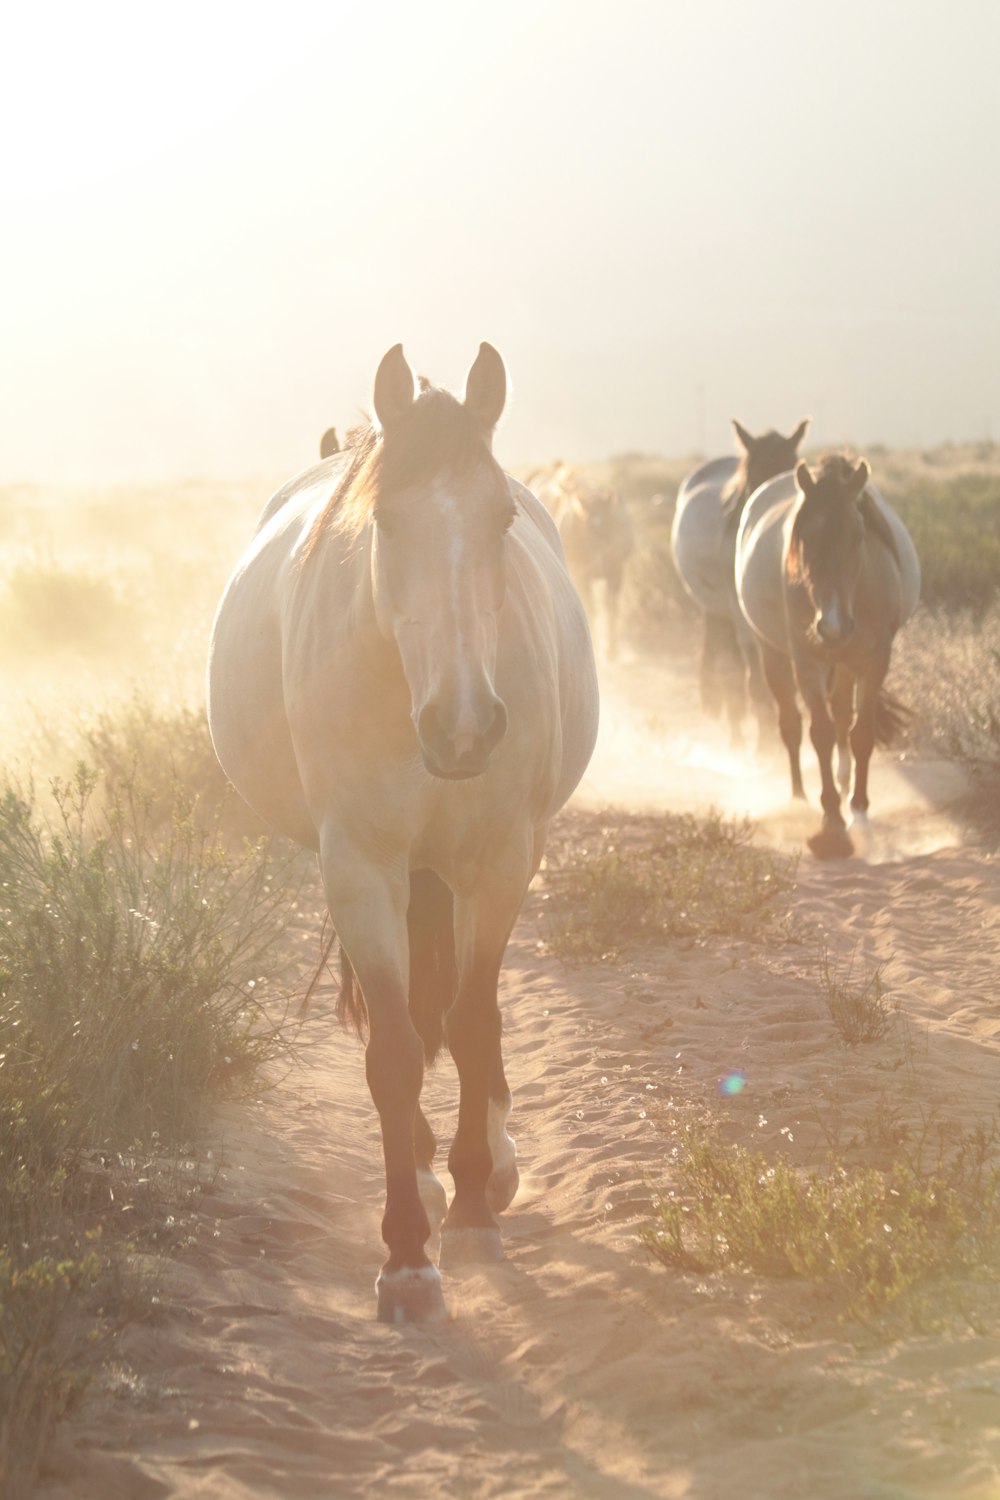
949 664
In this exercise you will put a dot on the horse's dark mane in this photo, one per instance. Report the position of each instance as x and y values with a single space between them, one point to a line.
437 435
734 493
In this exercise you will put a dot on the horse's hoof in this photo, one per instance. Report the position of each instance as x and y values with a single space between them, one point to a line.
502 1186
470 1247
410 1295
832 842
433 1197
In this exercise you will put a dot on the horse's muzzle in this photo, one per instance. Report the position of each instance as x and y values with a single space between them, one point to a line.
834 633
458 754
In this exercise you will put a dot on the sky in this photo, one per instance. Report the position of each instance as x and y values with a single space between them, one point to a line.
215 219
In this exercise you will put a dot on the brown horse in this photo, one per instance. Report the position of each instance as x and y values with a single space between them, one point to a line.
329 443
598 538
826 573
401 678
703 541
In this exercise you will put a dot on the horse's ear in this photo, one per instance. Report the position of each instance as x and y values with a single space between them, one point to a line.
862 474
799 432
746 441
393 395
804 479
486 387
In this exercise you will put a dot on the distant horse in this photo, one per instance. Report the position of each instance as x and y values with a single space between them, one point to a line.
329 443
401 678
598 538
826 574
703 542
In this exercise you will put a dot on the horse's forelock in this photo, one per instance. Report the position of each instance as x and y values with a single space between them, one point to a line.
436 435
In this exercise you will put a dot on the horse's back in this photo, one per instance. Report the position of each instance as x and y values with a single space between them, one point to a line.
697 538
760 551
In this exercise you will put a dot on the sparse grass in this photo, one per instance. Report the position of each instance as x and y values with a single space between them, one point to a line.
872 1235
658 879
130 994
859 1008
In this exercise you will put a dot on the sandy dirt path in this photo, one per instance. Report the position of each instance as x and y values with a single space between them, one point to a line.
579 1367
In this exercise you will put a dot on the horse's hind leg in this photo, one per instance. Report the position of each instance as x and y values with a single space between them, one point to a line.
842 708
483 925
863 738
612 612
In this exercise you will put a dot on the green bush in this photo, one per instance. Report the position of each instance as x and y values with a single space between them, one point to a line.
873 1235
660 878
130 954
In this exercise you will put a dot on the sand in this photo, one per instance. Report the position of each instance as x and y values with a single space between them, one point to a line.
580 1367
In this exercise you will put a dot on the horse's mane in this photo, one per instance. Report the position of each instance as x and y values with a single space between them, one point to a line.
734 493
437 435
780 453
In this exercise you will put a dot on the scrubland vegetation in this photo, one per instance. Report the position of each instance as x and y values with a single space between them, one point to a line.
137 900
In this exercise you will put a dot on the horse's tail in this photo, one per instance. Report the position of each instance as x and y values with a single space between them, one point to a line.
431 931
891 718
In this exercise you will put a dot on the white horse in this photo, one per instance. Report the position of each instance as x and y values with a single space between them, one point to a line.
703 542
826 574
401 677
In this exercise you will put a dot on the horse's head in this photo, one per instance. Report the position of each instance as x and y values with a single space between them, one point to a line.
440 515
763 458
825 546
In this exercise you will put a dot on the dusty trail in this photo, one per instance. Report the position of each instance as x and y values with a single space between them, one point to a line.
579 1368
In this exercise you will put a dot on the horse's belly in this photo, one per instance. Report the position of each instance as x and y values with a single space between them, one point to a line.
246 715
702 553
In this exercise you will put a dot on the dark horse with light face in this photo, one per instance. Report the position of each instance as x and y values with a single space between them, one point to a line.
401 678
703 541
826 573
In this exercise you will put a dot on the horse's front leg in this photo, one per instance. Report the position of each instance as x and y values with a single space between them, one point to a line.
833 841
482 1159
368 906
